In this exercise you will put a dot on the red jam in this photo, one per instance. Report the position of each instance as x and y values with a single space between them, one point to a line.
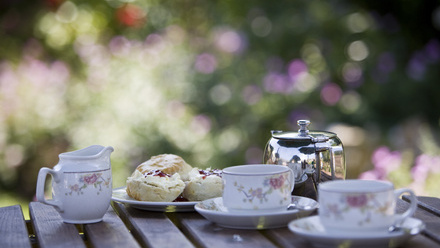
206 173
158 173
180 198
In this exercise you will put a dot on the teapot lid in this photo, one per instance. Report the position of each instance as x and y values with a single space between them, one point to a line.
303 134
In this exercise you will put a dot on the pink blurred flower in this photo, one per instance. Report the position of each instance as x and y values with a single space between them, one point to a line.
386 160
230 41
251 94
206 63
425 164
277 83
119 46
296 68
371 175
331 93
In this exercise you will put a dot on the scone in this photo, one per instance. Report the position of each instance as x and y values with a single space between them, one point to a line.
203 184
167 163
155 186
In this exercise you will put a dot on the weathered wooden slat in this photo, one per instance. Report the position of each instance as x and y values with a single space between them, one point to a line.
430 204
283 237
152 229
50 230
430 207
111 232
431 221
420 241
13 230
208 234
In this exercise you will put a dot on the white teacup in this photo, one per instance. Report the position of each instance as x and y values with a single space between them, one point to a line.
259 187
361 205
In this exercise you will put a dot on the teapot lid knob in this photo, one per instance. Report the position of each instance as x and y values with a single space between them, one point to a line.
303 124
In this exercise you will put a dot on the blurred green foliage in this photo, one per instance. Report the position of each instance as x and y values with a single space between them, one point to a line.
208 80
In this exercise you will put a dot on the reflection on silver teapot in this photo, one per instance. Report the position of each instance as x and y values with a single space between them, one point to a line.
314 156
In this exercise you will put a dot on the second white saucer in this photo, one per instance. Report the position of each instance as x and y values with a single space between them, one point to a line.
311 229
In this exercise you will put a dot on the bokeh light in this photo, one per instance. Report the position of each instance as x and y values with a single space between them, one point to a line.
331 94
357 50
261 26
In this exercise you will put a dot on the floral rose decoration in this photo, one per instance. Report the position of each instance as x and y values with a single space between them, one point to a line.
357 201
277 183
91 179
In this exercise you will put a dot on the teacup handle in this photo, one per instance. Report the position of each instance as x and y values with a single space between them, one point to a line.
412 208
40 187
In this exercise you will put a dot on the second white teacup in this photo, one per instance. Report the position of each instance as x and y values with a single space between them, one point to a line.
258 187
361 205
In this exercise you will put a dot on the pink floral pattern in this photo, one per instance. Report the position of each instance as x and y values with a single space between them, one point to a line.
95 180
270 184
276 182
357 201
366 203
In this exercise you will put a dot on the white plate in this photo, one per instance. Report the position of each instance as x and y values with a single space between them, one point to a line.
214 210
120 195
311 229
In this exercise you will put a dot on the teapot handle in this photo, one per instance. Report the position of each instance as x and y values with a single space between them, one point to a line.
316 177
42 174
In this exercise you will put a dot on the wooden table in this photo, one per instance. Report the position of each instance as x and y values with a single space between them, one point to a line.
128 227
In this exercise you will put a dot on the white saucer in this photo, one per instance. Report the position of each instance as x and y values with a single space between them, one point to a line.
311 229
120 195
214 210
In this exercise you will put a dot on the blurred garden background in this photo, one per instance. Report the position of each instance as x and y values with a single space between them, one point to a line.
208 80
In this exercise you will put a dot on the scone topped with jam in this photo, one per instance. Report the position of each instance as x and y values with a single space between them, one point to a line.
155 186
167 163
167 178
203 184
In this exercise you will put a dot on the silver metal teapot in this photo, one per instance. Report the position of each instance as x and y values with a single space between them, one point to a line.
314 156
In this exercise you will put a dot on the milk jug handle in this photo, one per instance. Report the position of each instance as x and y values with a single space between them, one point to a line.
41 181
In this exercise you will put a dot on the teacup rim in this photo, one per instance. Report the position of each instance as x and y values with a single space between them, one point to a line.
231 170
337 186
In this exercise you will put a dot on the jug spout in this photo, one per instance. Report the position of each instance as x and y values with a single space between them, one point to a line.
89 158
94 151
102 154
106 152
